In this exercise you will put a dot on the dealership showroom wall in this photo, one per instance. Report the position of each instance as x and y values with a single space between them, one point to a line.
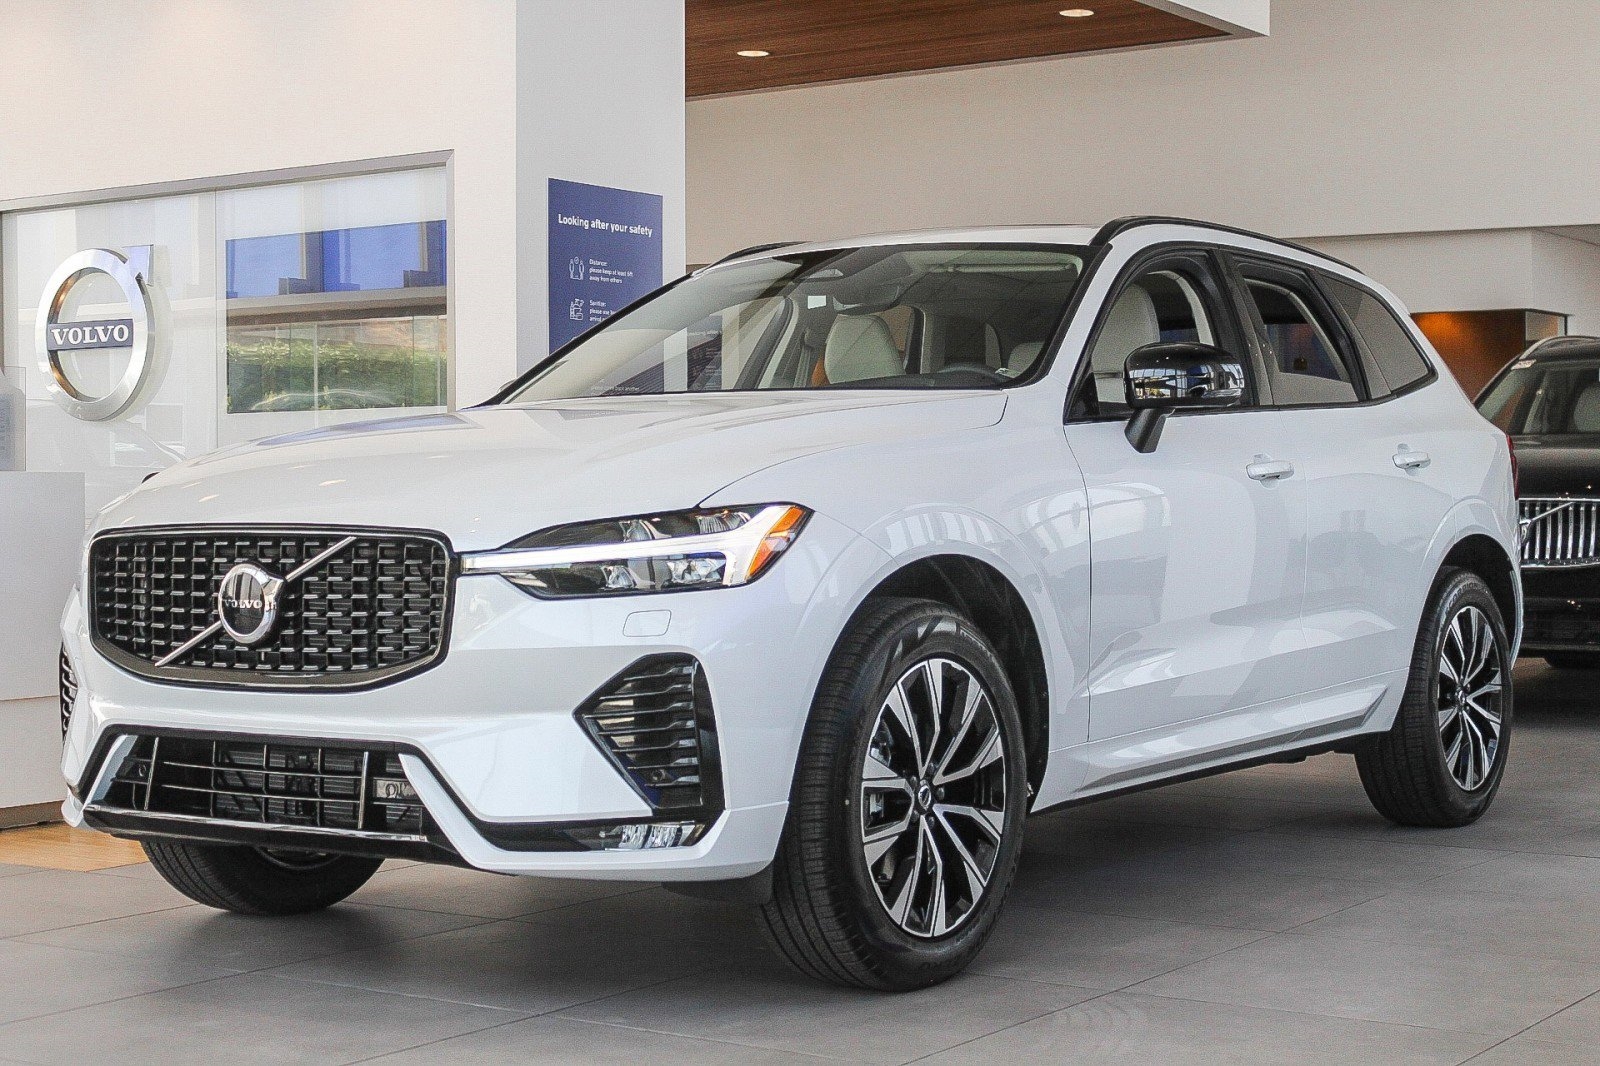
356 230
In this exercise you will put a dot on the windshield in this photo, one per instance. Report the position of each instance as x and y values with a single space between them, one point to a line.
1546 396
907 316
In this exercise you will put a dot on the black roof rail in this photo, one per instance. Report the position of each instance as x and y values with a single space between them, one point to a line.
1121 225
754 249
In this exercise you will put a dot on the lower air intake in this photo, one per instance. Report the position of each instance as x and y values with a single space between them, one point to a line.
294 784
654 722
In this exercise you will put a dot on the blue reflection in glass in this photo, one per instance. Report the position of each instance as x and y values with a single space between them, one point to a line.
361 258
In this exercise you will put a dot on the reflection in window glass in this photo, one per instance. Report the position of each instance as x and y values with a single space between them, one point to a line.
339 318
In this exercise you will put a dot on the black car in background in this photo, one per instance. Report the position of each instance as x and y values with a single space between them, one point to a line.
1548 400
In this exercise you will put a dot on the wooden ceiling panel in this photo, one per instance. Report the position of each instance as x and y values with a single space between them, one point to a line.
815 41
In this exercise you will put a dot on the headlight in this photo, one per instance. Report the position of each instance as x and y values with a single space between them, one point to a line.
675 552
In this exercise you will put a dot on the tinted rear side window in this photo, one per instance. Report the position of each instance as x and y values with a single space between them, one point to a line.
1397 356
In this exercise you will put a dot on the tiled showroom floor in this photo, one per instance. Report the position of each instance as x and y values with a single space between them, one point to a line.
1265 916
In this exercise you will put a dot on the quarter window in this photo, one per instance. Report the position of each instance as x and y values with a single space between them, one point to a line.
1388 342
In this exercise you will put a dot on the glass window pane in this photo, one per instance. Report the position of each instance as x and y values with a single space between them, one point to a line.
1399 359
336 296
1304 364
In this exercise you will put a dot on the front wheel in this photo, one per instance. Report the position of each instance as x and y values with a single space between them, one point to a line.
246 880
1441 763
906 818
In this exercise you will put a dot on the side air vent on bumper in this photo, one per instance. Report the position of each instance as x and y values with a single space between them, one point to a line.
68 680
654 721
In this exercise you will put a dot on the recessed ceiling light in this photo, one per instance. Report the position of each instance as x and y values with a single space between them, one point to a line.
754 53
1077 13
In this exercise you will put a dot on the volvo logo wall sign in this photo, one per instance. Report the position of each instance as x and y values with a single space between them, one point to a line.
133 333
247 603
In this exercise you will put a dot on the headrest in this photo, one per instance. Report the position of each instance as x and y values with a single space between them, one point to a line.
861 347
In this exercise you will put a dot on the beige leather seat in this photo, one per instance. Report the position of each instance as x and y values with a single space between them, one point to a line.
1586 411
1131 324
860 347
1022 357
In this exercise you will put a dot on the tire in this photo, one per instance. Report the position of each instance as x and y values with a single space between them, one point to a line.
876 920
249 880
1573 660
1441 763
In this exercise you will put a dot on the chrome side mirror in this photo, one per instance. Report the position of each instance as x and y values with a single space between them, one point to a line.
1174 376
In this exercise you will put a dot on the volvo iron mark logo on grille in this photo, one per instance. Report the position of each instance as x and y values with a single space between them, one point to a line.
247 603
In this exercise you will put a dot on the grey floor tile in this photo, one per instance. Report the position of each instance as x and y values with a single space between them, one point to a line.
1457 987
774 1010
1202 894
1498 830
1573 878
559 1041
139 871
51 899
1578 1024
1529 1051
1493 921
250 943
1088 841
512 965
1380 862
243 1021
471 892
1121 1028
41 979
11 870
1097 950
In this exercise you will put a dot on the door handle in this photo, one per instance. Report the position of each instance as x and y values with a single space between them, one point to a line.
1270 470
1406 459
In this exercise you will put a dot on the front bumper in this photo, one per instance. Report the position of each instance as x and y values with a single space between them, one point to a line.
1560 609
489 737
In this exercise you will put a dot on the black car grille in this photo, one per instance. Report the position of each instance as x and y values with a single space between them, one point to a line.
68 681
654 721
375 608
298 784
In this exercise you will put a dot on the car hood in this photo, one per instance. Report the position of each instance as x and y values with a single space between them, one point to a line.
1560 465
486 476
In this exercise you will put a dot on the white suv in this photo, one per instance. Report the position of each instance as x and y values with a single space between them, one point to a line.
806 579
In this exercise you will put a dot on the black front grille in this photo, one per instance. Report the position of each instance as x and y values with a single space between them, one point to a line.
654 721
68 681
375 608
298 784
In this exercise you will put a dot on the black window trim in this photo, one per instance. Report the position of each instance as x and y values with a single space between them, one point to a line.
1142 262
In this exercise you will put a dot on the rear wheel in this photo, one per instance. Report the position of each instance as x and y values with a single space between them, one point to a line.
265 881
1573 660
906 819
1441 763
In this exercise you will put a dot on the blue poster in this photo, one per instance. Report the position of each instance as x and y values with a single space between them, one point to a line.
605 253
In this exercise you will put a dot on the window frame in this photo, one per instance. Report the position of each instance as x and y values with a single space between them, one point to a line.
1369 359
1239 263
1228 326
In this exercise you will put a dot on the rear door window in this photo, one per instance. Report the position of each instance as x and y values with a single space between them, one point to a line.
1308 358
